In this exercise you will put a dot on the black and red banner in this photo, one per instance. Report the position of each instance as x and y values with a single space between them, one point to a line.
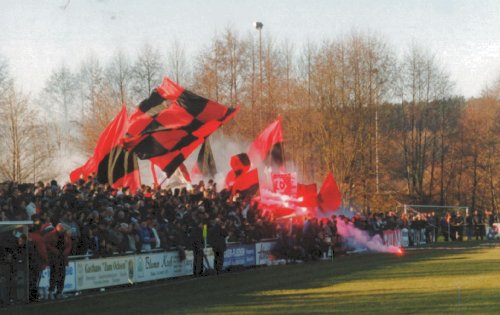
169 125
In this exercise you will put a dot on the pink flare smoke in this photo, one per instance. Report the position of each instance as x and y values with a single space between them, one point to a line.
361 239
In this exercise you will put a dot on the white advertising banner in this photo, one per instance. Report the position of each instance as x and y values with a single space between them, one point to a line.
69 281
164 265
263 254
104 272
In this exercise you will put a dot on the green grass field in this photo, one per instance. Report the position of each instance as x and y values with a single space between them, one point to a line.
420 282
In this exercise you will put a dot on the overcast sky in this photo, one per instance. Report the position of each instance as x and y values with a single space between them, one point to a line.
37 36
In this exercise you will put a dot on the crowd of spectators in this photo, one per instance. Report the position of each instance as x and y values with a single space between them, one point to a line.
426 227
99 221
315 238
103 221
94 220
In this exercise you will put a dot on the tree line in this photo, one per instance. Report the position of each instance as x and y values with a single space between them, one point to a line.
391 128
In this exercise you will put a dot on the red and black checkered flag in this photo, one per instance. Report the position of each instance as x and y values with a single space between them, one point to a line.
169 125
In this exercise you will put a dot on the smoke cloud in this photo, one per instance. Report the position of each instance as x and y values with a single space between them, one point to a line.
223 147
359 239
270 199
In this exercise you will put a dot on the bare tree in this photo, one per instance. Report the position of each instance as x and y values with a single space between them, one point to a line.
4 73
95 120
177 64
26 153
422 84
119 77
147 71
60 92
91 78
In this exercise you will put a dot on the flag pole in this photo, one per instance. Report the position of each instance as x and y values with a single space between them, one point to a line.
282 145
153 171
163 181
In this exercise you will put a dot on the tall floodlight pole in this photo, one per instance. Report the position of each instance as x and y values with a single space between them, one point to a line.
377 181
376 148
258 27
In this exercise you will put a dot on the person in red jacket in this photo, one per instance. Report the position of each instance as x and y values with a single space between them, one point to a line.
58 242
38 258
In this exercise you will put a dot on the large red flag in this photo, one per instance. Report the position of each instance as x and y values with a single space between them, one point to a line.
169 125
268 145
329 198
111 163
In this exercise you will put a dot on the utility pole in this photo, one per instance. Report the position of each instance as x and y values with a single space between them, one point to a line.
259 26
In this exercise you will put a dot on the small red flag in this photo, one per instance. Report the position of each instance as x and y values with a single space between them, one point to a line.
329 198
240 164
268 143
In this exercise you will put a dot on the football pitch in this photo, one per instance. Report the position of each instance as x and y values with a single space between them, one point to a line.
463 278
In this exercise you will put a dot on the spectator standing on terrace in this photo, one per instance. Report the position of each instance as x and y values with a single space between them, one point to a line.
69 221
89 242
38 258
489 218
8 249
196 235
58 243
477 221
445 227
469 223
117 238
459 226
430 228
147 237
217 239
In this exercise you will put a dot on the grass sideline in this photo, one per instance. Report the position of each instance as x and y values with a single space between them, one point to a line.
420 282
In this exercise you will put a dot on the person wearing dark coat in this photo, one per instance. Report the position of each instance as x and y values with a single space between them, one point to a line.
197 243
477 221
217 239
459 226
38 258
8 244
58 243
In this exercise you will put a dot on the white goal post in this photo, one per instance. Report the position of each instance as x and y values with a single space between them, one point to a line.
429 208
